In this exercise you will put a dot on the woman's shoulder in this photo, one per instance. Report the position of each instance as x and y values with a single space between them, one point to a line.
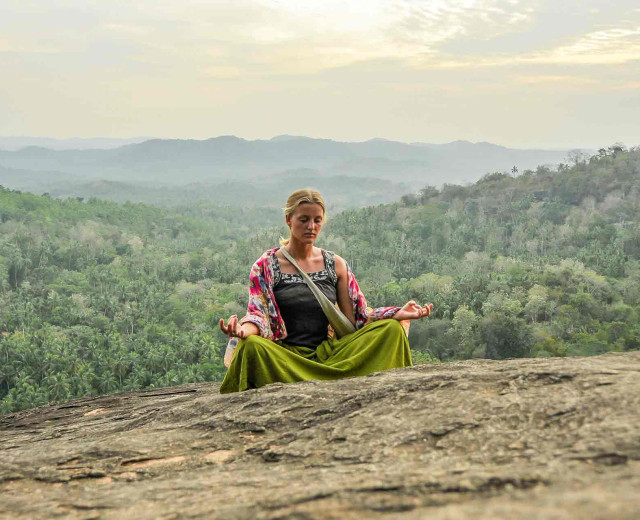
263 266
267 256
338 263
262 269
334 256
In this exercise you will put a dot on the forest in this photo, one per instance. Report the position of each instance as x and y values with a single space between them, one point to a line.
99 297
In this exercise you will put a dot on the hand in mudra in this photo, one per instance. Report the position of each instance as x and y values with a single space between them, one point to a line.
232 328
413 311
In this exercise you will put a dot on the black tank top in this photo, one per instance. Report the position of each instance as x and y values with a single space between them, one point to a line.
303 318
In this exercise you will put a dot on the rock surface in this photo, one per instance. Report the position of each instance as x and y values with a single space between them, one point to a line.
533 438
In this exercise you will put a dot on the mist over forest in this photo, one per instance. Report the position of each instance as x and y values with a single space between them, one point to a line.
230 171
101 293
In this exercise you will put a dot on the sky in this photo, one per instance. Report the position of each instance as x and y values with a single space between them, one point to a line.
529 74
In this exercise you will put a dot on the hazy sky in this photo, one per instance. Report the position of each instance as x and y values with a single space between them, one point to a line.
535 73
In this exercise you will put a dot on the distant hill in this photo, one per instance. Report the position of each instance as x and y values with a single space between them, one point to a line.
230 158
341 192
76 143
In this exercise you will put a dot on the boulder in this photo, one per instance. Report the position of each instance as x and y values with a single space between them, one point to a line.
552 438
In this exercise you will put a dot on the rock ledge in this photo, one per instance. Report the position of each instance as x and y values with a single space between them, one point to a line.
531 438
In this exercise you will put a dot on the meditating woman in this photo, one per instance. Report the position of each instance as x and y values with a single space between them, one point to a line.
285 335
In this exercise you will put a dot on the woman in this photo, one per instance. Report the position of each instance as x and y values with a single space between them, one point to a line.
285 335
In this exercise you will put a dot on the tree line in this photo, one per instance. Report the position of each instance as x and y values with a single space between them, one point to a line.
544 263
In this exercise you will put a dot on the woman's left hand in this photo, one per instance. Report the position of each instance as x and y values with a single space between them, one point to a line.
413 311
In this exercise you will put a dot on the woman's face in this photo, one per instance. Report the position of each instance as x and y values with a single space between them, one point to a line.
306 222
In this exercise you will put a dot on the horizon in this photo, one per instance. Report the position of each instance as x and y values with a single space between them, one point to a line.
141 139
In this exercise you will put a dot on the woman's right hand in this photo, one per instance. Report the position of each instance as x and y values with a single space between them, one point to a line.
413 311
234 330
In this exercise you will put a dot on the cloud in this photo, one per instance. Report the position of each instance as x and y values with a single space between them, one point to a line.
612 46
554 81
222 72
631 85
28 47
609 46
129 29
218 39
424 25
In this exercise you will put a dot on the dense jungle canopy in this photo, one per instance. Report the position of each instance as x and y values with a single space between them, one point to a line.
98 297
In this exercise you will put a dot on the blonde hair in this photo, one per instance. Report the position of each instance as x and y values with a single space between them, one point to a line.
301 197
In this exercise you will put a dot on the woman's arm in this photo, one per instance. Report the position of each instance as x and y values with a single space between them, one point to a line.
256 321
363 314
342 290
258 306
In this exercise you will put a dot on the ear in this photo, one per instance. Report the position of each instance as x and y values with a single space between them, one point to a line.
287 219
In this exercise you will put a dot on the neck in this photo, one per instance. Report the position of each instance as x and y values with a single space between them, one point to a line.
299 250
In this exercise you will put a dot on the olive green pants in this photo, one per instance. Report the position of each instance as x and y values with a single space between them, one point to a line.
380 345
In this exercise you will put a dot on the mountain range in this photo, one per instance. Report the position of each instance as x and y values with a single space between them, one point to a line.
161 170
13 143
178 161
